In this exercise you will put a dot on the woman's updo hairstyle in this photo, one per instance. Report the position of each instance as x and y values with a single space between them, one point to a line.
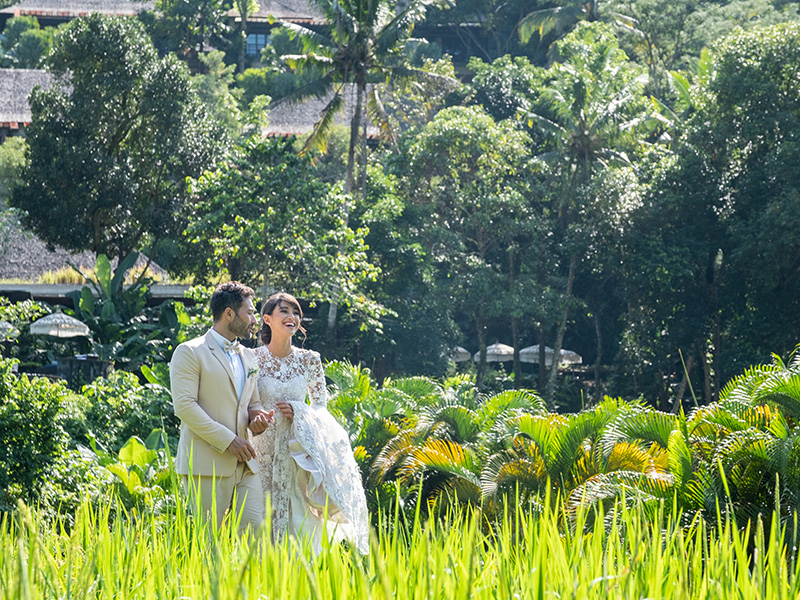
265 332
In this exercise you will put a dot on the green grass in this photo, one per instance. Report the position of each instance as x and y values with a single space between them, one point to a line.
553 555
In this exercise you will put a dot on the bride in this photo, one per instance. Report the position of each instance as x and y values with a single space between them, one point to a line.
306 462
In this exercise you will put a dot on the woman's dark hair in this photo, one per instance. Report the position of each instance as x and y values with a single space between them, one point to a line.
231 294
265 332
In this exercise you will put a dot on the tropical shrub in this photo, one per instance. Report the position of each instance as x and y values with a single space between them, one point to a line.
33 416
118 408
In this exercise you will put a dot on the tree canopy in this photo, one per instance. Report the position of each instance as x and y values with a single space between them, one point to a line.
112 142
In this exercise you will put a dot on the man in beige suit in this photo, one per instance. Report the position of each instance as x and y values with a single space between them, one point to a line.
213 382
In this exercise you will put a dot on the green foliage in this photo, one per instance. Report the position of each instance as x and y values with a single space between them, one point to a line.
365 42
20 314
143 475
33 417
12 162
120 408
262 215
25 44
556 550
123 329
214 89
185 27
112 152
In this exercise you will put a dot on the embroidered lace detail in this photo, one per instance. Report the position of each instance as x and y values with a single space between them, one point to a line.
293 379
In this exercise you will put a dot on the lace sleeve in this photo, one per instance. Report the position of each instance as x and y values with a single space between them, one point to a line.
317 392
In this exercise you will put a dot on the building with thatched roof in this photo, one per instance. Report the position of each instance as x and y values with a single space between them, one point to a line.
298 118
292 11
15 89
285 119
54 12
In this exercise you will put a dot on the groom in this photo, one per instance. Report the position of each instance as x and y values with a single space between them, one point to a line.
213 382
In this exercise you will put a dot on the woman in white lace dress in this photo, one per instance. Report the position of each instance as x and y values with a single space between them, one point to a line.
307 464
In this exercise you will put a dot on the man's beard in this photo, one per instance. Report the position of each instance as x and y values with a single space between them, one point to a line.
239 327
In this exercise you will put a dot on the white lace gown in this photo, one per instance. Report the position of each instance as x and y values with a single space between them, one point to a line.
307 466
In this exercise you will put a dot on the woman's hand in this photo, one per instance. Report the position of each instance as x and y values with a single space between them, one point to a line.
285 410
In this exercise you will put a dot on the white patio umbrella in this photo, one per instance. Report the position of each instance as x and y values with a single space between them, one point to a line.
567 357
460 354
496 353
59 325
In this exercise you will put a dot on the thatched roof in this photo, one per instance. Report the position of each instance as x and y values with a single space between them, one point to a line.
287 118
294 11
77 8
26 257
15 89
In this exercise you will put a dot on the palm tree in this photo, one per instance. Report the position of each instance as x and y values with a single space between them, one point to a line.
757 449
363 45
560 18
593 113
440 453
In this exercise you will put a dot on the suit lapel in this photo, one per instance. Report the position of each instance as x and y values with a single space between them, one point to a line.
248 363
221 357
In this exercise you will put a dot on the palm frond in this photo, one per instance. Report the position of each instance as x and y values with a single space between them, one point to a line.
718 419
607 488
421 389
318 139
644 425
679 458
509 472
393 455
455 489
444 457
546 20
782 389
318 88
388 402
499 404
377 114
461 422
347 378
316 38
398 27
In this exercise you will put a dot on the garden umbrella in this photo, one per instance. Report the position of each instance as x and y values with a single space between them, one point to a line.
567 357
497 353
460 354
59 325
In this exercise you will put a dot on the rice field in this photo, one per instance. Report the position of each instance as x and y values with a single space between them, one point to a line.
553 554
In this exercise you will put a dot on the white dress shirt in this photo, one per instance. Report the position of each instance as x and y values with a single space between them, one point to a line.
234 358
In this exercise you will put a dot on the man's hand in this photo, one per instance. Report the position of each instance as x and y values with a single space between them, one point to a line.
241 449
260 420
285 410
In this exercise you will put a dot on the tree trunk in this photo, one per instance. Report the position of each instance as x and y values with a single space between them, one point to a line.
516 344
562 328
355 125
706 375
355 122
598 386
515 341
716 337
364 158
676 408
482 350
542 363
242 6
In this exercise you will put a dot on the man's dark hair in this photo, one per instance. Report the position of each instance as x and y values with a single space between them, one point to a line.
231 294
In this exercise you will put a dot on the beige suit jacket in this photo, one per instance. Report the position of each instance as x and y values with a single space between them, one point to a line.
205 400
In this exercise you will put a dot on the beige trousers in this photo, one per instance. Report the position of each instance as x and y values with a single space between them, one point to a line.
217 496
